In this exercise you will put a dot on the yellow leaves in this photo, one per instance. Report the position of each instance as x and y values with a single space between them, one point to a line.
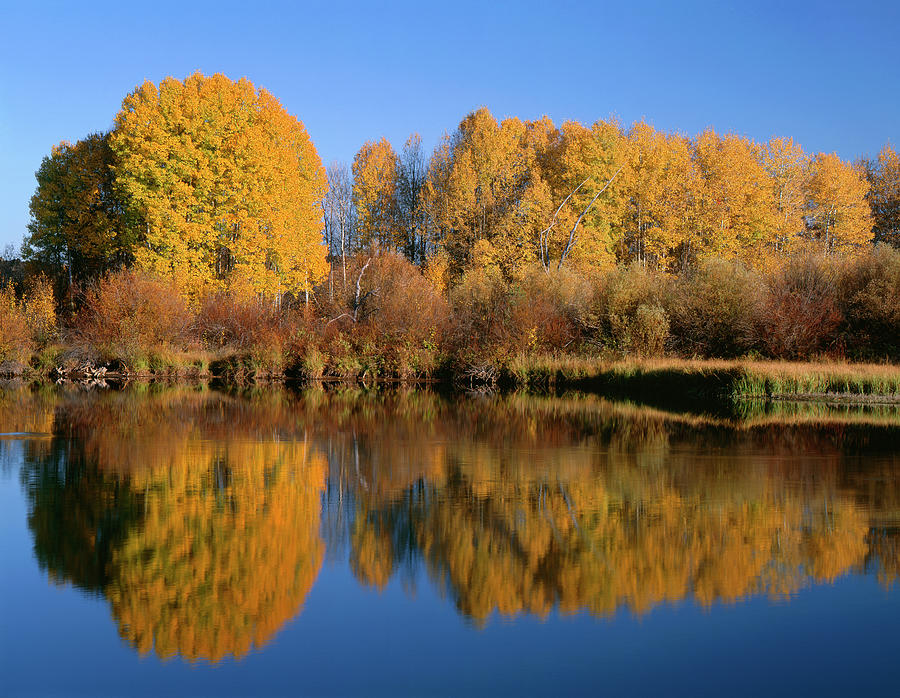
227 183
842 219
375 195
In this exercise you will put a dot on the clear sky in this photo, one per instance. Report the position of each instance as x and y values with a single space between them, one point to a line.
826 73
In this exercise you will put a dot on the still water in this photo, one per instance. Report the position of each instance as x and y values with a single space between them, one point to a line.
184 541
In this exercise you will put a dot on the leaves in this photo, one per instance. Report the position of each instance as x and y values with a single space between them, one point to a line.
227 184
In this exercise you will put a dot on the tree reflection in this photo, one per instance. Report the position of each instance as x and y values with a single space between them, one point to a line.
203 518
205 543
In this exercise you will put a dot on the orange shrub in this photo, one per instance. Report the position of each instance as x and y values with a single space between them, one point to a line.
127 314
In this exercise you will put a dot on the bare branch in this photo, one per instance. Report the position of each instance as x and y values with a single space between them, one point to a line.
572 233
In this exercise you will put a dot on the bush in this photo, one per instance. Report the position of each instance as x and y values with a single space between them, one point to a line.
395 324
800 316
27 325
482 313
128 315
549 310
630 312
650 330
869 289
15 339
714 309
40 311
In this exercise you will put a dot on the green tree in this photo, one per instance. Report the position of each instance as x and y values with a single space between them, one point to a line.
77 229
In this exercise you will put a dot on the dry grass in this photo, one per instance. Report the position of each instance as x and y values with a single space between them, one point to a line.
734 378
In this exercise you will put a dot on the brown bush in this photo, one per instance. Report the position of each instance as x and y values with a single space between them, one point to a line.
128 314
869 289
714 309
800 316
394 324
629 310
549 310
482 318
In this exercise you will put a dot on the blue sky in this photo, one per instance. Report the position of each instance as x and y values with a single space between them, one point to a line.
825 73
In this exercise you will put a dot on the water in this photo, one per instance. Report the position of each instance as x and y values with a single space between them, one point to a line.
183 541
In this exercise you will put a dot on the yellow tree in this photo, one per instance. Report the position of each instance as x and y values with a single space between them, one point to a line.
735 212
375 195
589 220
787 166
841 219
226 184
652 182
678 206
480 195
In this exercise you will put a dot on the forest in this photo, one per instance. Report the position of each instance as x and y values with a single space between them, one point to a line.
202 234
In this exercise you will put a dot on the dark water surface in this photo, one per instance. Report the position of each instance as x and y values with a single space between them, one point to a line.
182 541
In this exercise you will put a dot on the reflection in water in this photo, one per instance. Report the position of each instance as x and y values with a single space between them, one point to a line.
203 518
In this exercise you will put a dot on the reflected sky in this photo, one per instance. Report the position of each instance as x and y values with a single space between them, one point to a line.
343 541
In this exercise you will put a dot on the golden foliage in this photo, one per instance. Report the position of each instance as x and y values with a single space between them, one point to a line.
227 185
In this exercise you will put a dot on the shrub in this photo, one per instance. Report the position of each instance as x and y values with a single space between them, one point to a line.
650 329
548 310
127 314
630 311
481 312
800 316
40 311
869 289
714 309
29 324
15 339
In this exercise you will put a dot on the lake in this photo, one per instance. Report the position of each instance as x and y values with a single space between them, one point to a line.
185 541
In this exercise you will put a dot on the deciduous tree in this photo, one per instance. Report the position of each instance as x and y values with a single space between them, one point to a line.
227 184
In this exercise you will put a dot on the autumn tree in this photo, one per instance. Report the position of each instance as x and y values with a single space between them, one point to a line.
77 229
375 195
734 214
787 166
227 184
883 175
479 193
337 207
587 224
839 214
411 218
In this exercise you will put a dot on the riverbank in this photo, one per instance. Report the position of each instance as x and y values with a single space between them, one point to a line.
657 380
712 378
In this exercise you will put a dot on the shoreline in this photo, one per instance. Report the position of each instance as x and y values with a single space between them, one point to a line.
659 379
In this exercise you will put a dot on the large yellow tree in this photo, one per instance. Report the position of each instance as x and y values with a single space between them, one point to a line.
225 183
735 211
481 195
788 169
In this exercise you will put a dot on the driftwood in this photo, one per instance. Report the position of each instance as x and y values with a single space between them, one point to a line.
84 373
479 376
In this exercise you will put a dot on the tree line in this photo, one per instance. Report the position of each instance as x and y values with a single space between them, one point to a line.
211 183
204 223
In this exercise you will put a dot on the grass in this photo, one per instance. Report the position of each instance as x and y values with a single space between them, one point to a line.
737 379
